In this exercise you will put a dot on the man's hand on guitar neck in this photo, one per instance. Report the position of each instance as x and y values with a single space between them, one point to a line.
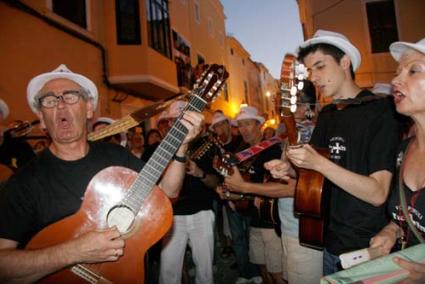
193 122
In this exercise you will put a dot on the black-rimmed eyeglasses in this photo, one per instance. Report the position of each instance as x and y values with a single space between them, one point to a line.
70 97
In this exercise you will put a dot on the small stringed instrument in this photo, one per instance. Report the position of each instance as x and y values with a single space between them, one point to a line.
267 210
205 145
308 201
117 196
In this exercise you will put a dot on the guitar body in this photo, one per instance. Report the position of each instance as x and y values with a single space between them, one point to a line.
309 203
309 195
312 231
104 191
268 210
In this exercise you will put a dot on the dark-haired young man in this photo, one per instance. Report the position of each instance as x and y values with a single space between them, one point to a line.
361 134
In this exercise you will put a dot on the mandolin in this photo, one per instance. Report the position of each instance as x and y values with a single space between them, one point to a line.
308 200
117 196
267 210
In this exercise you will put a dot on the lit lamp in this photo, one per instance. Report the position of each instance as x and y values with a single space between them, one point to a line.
268 94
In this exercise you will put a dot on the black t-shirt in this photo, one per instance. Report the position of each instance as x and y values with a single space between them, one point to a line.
415 201
363 139
15 152
195 196
257 174
49 189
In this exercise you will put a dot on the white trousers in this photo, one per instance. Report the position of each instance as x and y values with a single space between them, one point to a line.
301 265
197 230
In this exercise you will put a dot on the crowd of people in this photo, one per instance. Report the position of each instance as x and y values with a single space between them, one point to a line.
374 176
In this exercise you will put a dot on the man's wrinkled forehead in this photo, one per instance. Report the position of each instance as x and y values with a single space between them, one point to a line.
59 84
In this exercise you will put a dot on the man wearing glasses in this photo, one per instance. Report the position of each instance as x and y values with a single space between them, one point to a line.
53 186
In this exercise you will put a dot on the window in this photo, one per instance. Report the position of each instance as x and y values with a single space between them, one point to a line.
243 61
245 91
159 26
221 39
210 27
73 11
231 51
127 21
197 11
180 45
225 92
201 59
382 25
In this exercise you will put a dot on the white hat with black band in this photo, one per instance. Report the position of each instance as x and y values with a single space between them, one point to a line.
62 72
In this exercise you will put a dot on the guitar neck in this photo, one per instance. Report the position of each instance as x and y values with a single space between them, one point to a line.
289 121
155 166
116 127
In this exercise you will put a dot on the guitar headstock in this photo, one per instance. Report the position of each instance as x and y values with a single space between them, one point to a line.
292 78
206 144
210 82
224 160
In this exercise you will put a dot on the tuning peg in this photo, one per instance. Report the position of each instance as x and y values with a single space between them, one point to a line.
293 108
300 85
293 91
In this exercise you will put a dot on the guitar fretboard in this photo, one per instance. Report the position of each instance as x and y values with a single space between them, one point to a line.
154 168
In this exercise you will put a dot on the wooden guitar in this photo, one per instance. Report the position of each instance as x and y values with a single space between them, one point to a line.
267 210
308 201
131 201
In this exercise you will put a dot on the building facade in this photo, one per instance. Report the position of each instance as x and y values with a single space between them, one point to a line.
371 25
136 52
124 46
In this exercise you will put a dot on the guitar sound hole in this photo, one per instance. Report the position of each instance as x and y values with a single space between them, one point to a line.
121 217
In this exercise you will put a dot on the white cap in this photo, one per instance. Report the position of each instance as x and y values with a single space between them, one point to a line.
4 109
218 117
398 48
38 82
109 121
176 109
249 112
338 40
103 119
382 88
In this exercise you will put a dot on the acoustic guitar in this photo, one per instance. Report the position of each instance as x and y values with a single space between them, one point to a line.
117 196
309 201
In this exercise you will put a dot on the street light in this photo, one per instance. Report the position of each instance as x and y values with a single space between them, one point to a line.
268 94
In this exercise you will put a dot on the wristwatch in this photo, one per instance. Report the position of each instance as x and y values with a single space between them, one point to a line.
180 159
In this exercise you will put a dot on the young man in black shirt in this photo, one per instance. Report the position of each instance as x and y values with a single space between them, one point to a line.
362 135
53 185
